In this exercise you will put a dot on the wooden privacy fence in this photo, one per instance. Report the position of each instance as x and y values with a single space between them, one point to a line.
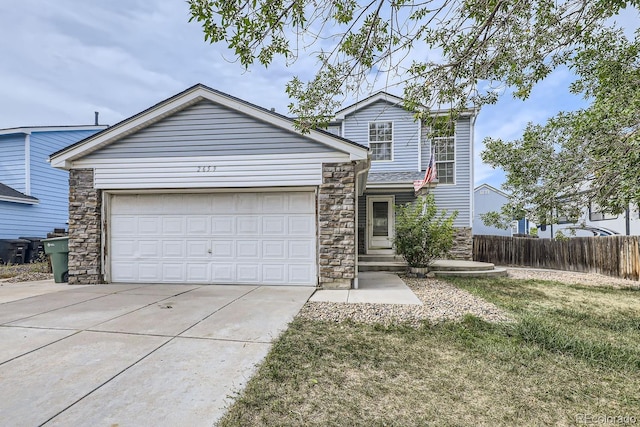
617 256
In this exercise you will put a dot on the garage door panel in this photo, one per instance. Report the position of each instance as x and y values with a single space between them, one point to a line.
173 225
273 273
197 249
248 238
223 225
149 272
247 225
149 225
198 272
124 225
223 249
300 273
173 249
223 272
301 249
248 273
274 225
248 249
301 225
124 271
274 203
173 272
123 248
301 203
198 226
273 249
147 249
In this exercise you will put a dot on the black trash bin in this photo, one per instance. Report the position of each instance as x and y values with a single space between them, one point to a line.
13 251
35 250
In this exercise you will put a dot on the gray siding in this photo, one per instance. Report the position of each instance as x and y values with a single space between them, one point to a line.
208 129
12 161
405 134
487 200
335 129
457 196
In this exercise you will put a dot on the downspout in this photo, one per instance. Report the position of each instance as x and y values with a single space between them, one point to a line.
27 163
473 138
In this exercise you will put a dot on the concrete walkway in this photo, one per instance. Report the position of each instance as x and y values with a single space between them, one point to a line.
375 287
133 355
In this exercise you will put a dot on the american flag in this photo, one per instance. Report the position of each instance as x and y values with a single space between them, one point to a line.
430 173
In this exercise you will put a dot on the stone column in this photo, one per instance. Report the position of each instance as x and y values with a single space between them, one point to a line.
336 226
462 244
85 205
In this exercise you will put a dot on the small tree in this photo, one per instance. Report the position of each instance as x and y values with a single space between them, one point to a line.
423 234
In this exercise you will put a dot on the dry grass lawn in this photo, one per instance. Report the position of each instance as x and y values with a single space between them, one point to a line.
572 350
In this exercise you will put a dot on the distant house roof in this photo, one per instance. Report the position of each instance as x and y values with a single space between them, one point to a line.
8 194
29 129
490 188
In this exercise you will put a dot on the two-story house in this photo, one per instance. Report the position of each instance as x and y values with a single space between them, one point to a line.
204 187
401 149
33 195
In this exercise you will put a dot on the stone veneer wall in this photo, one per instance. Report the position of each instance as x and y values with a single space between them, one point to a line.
336 226
85 204
462 245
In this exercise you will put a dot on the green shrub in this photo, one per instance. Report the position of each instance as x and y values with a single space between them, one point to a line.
423 234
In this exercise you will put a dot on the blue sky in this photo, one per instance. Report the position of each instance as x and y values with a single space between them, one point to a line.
62 60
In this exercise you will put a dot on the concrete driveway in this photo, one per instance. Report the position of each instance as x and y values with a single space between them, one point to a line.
132 355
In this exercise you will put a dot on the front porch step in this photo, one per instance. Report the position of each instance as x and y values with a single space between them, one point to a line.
391 266
439 268
496 272
460 265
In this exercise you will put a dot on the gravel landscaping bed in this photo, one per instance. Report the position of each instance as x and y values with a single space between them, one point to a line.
15 273
441 301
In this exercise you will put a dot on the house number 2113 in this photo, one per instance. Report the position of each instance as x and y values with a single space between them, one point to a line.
206 169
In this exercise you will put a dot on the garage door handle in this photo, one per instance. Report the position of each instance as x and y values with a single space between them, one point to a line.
209 251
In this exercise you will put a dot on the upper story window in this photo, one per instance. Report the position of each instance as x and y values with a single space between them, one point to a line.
443 140
381 140
598 214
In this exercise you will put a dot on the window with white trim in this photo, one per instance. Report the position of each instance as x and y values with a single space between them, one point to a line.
444 141
381 140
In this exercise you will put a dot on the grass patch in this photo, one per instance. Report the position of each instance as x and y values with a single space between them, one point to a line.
571 350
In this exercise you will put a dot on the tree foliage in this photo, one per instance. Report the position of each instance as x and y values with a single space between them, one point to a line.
443 52
589 156
423 234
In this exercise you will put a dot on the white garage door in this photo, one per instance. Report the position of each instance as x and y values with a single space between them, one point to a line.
250 238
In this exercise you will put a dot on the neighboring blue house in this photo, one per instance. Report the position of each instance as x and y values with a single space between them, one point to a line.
34 197
401 148
488 199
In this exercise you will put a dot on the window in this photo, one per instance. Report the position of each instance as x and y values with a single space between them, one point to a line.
381 140
596 213
443 140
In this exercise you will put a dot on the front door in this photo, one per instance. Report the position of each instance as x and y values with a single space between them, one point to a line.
380 222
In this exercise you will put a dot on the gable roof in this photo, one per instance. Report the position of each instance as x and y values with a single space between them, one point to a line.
379 96
8 194
396 101
490 188
199 92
